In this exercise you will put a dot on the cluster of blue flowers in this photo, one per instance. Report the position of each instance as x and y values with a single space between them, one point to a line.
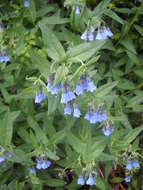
26 3
4 58
88 34
107 130
40 96
102 34
90 181
131 164
95 116
43 163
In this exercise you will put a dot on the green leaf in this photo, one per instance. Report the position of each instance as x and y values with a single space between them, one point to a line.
129 45
55 49
133 134
139 73
53 103
51 155
6 127
114 16
55 182
105 89
43 11
84 51
139 29
32 9
126 84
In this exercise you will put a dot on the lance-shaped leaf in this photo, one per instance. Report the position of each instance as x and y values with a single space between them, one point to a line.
54 48
84 51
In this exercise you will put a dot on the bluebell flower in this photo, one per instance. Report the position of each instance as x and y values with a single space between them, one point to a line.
129 165
56 89
90 86
128 178
2 159
135 164
49 83
67 95
68 109
91 36
42 164
104 33
76 112
79 89
4 58
77 10
32 170
107 130
39 97
81 180
26 3
84 36
91 180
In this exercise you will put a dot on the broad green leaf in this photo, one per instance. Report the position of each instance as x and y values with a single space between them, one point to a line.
105 89
129 45
51 155
126 84
54 48
43 11
84 51
139 29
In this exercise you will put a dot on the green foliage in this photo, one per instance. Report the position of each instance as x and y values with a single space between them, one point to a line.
44 39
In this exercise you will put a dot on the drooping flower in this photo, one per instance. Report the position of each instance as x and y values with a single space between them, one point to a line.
88 34
2 159
107 130
129 165
135 164
77 10
56 89
40 96
84 35
128 178
26 3
76 112
81 180
78 90
42 163
68 109
132 164
94 116
49 83
104 33
67 95
91 180
32 170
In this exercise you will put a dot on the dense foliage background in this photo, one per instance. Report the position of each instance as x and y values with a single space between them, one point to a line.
43 38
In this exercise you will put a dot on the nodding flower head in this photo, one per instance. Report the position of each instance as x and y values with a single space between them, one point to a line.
4 58
91 180
84 35
50 83
81 180
77 10
56 89
67 95
68 109
2 159
132 164
94 116
42 163
26 3
85 84
104 33
128 178
76 112
39 97
107 130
